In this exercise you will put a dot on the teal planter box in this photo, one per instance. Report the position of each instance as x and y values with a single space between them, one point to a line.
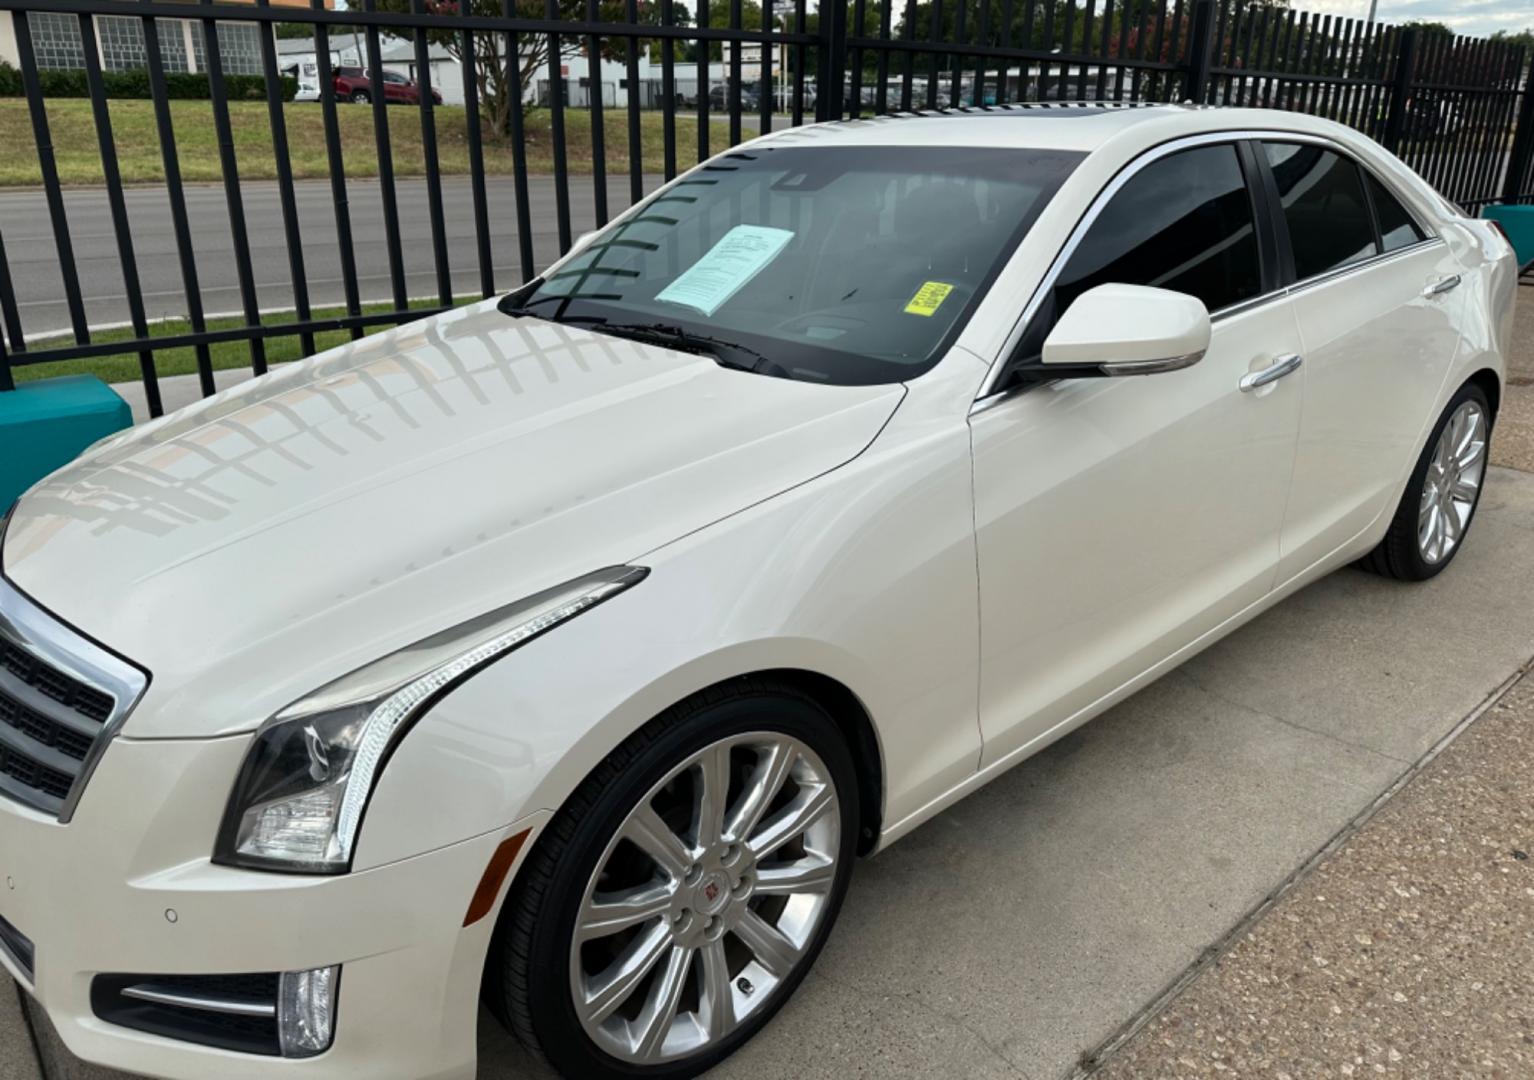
45 424
1518 223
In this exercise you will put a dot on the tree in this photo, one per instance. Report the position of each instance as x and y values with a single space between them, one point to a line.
1521 38
502 79
292 31
1427 29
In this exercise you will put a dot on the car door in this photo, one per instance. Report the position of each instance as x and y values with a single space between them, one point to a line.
1377 307
1120 519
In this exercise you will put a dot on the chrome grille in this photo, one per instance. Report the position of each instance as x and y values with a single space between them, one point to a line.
62 697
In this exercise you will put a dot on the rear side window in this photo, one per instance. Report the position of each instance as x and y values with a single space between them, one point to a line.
1323 199
1397 229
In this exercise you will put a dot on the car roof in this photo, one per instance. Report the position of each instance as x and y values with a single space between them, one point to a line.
1081 126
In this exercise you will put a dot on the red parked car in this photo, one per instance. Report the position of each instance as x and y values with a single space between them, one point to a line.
353 84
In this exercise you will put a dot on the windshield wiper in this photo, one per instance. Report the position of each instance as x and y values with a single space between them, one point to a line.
729 354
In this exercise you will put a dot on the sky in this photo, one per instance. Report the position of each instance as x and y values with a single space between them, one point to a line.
1476 17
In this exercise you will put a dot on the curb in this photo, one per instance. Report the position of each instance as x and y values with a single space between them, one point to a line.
1098 1056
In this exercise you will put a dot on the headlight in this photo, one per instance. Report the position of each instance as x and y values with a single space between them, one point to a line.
301 793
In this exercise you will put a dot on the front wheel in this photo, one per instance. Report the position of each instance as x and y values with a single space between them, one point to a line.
683 893
1440 499
360 97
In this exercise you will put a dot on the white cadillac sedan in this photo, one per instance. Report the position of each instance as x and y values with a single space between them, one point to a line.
565 651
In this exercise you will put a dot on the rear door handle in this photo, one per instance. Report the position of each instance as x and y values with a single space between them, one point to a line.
1281 366
1441 286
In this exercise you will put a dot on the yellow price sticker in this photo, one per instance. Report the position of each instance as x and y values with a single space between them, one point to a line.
928 298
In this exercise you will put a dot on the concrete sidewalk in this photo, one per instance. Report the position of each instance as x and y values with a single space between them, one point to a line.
1020 930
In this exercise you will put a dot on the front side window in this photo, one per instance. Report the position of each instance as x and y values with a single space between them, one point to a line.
1397 227
849 265
1183 222
1323 199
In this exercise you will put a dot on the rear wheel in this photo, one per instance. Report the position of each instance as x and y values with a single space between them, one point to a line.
682 894
1441 497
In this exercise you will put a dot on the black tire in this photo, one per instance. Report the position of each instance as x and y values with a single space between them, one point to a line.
527 982
360 97
1398 555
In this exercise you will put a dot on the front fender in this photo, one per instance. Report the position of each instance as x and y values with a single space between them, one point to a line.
865 576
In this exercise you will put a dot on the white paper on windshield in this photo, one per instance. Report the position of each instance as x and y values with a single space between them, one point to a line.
738 257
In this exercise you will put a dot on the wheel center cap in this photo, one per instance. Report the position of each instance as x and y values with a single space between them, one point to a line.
713 892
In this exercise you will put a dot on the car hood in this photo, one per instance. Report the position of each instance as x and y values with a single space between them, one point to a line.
255 546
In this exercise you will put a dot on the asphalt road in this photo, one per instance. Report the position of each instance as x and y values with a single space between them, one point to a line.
28 235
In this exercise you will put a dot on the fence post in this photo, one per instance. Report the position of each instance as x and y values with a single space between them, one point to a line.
1522 156
1400 88
1200 52
833 61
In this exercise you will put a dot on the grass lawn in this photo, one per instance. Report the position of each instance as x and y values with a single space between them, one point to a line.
138 145
124 367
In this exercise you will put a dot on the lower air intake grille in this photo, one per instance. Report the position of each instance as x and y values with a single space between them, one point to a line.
18 945
231 1012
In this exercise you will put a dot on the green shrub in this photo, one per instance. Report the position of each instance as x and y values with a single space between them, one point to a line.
179 85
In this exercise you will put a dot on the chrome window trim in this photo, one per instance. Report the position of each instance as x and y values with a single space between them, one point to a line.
988 390
1372 261
26 624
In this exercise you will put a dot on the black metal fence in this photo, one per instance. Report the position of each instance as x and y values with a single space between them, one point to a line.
1459 110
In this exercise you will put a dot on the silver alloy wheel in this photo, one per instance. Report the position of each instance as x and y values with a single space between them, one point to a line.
1452 483
707 898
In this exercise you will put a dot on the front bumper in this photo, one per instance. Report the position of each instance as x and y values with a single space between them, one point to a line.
93 897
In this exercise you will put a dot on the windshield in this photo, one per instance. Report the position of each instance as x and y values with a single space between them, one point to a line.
850 265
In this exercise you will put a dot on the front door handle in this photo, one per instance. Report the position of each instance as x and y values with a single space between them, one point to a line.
1281 366
1441 286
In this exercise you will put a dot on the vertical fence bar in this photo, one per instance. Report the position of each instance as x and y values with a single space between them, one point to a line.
1139 50
1521 159
119 209
470 64
516 122
180 224
1160 51
7 382
9 315
595 111
668 91
631 47
434 209
833 52
1049 43
860 10
338 199
799 50
1104 52
765 90
1200 47
385 151
1062 90
882 67
705 80
52 191
233 198
908 34
557 128
1025 73
960 32
1088 15
1400 88
733 97
292 233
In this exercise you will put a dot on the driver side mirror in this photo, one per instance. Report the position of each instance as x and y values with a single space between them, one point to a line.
1124 330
